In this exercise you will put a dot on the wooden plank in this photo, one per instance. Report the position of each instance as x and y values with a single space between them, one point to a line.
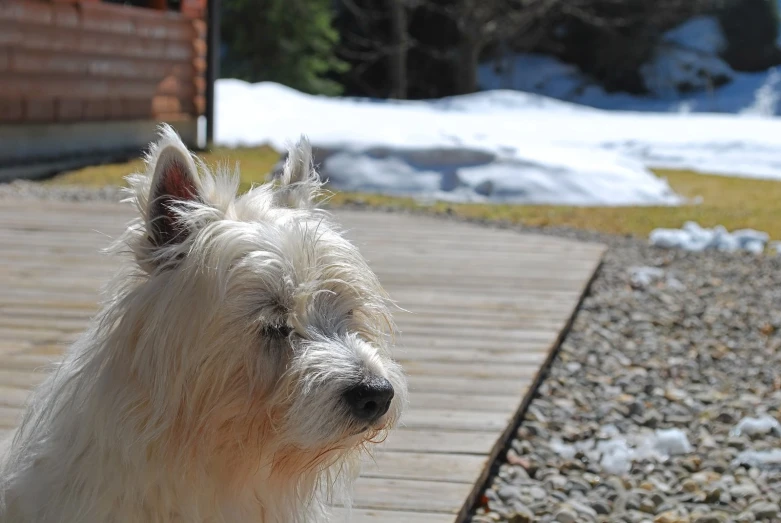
455 384
29 362
485 336
13 397
420 417
509 356
19 379
470 370
405 494
9 417
452 468
339 515
440 441
461 401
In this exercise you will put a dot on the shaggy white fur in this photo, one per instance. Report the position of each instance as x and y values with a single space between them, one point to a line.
218 381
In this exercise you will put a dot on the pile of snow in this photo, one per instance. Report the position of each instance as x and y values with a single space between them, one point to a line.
615 453
762 459
642 277
692 237
498 147
758 426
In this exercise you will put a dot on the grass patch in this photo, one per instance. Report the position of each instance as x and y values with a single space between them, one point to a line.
733 202
255 163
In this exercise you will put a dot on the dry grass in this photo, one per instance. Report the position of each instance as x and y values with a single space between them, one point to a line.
255 163
733 202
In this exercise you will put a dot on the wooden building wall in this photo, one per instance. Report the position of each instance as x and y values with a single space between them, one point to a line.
86 61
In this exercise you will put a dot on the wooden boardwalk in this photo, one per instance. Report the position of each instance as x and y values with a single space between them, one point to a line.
487 308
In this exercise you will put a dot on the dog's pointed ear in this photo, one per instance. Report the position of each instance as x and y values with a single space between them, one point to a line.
299 183
174 182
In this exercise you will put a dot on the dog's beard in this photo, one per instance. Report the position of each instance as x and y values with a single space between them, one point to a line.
318 376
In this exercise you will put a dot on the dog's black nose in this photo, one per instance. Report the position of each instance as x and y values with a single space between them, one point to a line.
370 399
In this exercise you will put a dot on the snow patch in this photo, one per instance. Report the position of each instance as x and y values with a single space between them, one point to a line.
615 453
693 237
762 459
758 426
642 277
545 175
492 147
612 150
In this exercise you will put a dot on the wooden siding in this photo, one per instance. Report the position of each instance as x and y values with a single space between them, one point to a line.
92 61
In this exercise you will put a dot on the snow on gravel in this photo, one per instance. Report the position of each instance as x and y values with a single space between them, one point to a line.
693 237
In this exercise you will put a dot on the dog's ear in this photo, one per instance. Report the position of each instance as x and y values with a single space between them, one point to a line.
299 183
174 183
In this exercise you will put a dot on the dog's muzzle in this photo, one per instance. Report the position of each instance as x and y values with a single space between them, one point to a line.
370 399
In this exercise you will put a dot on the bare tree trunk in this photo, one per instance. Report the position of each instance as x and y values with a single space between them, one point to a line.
398 57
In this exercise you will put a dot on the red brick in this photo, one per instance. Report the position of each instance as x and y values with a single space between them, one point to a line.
4 60
26 11
69 109
11 109
39 110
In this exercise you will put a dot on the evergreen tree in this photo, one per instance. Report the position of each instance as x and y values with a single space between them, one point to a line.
291 42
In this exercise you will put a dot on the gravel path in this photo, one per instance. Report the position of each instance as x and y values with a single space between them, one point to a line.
663 404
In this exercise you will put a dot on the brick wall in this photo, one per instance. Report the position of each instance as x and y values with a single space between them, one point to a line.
83 60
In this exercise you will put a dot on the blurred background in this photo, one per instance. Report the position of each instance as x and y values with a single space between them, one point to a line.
615 115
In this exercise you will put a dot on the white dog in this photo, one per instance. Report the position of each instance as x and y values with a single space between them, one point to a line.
238 367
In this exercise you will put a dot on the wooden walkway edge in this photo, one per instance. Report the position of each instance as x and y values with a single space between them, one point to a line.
488 309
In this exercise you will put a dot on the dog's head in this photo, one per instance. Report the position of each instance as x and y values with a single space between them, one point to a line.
257 322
